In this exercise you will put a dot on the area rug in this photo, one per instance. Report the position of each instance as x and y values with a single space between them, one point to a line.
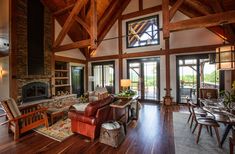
58 131
185 141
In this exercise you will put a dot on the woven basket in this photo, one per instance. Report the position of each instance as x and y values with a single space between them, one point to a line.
112 137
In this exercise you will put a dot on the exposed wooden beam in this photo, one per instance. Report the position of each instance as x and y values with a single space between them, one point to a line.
218 30
205 21
143 12
166 18
68 59
78 44
67 25
83 23
107 21
174 8
186 50
66 9
94 23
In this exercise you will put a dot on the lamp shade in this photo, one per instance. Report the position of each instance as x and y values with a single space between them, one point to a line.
225 57
125 82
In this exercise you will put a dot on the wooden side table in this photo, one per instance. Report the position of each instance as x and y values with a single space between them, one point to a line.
125 103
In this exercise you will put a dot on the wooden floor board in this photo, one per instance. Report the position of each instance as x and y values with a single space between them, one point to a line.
151 134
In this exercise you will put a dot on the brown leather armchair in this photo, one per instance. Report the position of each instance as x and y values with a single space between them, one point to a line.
88 123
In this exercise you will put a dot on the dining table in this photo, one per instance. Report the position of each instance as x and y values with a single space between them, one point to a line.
221 114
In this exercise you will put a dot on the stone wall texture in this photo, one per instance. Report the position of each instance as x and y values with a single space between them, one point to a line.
22 77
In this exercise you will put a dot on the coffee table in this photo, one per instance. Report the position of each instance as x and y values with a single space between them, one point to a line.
56 111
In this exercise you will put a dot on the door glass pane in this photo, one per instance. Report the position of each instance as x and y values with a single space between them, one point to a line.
134 70
150 80
108 75
209 75
97 76
188 80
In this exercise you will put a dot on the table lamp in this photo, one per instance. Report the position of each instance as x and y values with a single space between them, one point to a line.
125 83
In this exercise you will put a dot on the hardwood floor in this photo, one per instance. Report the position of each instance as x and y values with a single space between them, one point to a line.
153 133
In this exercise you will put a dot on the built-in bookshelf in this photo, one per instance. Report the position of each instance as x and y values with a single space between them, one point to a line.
62 79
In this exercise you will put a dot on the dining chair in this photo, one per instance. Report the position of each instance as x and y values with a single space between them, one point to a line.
232 141
197 110
208 121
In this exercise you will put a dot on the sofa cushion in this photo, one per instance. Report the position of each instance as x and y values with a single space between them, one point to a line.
92 107
13 108
78 116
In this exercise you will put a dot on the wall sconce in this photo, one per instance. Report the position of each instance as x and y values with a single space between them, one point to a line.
1 73
225 57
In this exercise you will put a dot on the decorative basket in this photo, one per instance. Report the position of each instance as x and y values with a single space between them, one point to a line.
112 137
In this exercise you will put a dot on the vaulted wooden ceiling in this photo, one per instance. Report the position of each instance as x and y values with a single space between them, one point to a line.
197 8
108 12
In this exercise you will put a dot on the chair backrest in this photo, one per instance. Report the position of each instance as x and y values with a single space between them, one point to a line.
11 108
205 92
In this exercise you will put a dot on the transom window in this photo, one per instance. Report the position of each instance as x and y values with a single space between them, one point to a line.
143 32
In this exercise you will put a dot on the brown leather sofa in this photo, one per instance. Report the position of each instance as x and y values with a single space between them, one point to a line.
88 123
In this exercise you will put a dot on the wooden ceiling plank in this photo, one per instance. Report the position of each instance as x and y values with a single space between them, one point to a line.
205 21
67 25
174 8
94 24
217 7
59 12
75 45
166 19
83 23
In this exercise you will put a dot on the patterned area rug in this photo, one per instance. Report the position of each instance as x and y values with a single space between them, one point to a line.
58 131
185 141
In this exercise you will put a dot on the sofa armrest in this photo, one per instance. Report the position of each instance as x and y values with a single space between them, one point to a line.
79 116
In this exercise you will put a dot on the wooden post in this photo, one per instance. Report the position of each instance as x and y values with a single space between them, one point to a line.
166 18
120 60
94 24
166 34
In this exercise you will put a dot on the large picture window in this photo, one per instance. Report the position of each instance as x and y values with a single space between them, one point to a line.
143 32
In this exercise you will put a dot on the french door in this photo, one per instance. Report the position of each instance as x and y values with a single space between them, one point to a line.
104 76
145 77
195 72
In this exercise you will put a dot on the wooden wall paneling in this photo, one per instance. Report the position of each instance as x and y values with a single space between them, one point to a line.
69 21
13 50
165 15
143 12
204 21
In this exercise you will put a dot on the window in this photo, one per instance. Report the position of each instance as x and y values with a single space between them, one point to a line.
143 32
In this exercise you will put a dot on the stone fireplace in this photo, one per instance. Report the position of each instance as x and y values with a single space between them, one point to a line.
34 91
28 86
